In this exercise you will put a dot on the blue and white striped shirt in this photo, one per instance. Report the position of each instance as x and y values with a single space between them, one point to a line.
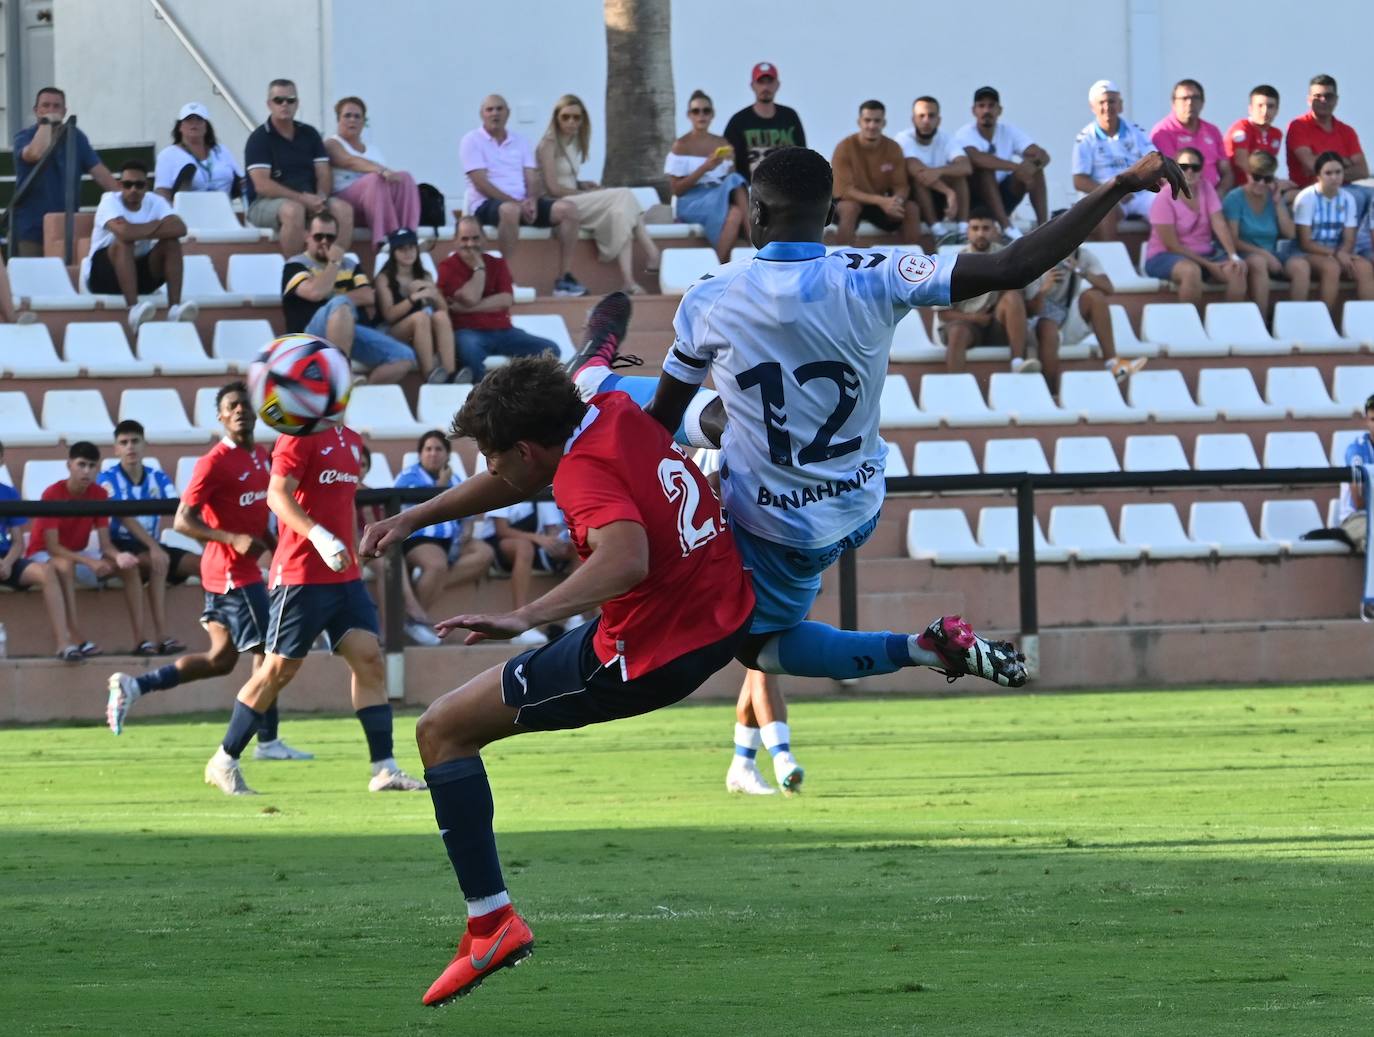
1328 217
415 476
156 485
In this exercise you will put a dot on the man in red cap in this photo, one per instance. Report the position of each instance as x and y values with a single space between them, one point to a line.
764 126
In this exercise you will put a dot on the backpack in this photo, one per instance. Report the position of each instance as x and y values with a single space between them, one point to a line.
432 212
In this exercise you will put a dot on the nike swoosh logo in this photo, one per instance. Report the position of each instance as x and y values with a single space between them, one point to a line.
480 963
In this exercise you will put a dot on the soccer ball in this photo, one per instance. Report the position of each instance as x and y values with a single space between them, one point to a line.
299 384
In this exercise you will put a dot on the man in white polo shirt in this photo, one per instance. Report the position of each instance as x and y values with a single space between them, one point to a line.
1007 163
1107 146
938 168
503 184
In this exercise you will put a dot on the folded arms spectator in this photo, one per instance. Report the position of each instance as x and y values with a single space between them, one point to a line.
386 199
1317 131
871 182
1007 164
938 168
701 175
195 161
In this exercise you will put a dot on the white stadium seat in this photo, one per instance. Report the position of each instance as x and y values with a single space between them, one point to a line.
76 414
647 197
1156 529
1026 398
186 466
1085 454
205 416
1293 450
1357 322
944 457
1240 326
897 408
161 414
238 342
101 349
1352 386
26 351
43 283
1226 524
679 267
209 218
1014 456
1340 442
942 536
258 276
1287 520
1177 327
957 401
201 283
997 529
381 411
1232 392
379 476
911 343
437 404
1154 454
1309 325
426 263
549 326
1164 396
176 349
1116 262
39 475
1224 452
18 426
1086 532
1128 344
1095 395
894 464
1302 392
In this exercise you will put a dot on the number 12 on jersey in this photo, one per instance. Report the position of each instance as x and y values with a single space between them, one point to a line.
769 379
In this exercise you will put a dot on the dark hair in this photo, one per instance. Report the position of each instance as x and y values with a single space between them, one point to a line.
433 433
986 93
530 398
700 95
63 94
127 426
799 175
391 270
84 450
210 141
1318 80
1194 84
927 99
228 390
1191 151
1368 405
134 163
281 82
324 215
1262 163
1324 158
1265 90
339 104
873 106
981 212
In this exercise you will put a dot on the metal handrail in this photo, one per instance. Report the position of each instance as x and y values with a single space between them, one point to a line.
160 10
65 137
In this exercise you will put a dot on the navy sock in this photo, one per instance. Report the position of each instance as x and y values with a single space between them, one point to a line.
161 679
816 650
463 811
243 724
267 732
376 721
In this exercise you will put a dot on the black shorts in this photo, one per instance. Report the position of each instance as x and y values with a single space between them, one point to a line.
542 562
1009 189
563 685
174 557
299 613
242 611
12 581
489 212
874 215
102 279
412 542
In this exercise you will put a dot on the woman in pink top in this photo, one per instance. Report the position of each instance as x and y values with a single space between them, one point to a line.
1182 248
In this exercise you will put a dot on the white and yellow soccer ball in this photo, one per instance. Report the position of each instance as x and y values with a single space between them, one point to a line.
300 384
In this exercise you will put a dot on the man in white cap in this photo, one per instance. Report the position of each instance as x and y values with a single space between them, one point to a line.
1107 146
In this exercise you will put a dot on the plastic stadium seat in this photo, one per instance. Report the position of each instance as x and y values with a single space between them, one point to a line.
1340 442
1177 327
205 416
944 457
210 218
1302 392
997 529
437 404
42 282
1333 511
1095 395
238 342
942 536
1352 386
675 231
1154 454
175 348
163 417
101 349
911 343
647 197
426 263
1287 520
186 466
382 411
1128 344
1086 531
18 426
1224 452
201 283
549 326
1226 524
1357 322
1085 454
258 276
894 464
897 408
1027 399
1015 455
957 401
1240 326
77 414
1116 261
39 475
379 476
26 351
1309 325
1232 391
679 267
1156 529
1165 396
1293 450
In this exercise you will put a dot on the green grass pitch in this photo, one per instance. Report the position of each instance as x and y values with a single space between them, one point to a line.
1150 863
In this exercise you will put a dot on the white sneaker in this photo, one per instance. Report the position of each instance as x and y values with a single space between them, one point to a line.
123 693
185 312
743 776
223 772
141 312
394 781
421 633
279 750
530 638
788 772
1030 365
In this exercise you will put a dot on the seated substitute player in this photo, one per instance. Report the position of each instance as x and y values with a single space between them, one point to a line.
225 508
316 587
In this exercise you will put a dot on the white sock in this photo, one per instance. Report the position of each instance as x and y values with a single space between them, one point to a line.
222 757
774 735
921 656
389 764
691 420
486 905
589 379
748 737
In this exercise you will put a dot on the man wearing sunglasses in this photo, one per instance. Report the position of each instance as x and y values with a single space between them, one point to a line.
1318 130
136 248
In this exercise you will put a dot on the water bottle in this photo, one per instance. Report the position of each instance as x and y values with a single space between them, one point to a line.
4 641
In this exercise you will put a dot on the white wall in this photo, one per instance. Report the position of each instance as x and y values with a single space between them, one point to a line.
424 65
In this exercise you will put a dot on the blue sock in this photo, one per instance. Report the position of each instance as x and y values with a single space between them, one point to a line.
161 679
747 753
641 389
463 811
818 650
243 724
376 721
267 732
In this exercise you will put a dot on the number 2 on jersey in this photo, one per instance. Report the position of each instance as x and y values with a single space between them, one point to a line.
768 378
679 486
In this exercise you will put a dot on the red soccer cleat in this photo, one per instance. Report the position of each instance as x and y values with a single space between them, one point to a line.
479 956
607 324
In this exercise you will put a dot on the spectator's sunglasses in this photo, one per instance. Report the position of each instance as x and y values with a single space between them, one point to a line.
1323 97
1190 167
284 100
1257 178
701 111
326 238
134 185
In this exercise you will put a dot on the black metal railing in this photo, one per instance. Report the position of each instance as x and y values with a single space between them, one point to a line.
64 138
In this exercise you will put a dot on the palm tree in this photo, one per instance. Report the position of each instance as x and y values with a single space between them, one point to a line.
640 100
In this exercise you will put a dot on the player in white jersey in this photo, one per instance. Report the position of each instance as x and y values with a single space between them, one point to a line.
798 342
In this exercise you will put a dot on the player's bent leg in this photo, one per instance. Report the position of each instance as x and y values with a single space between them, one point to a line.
743 775
254 699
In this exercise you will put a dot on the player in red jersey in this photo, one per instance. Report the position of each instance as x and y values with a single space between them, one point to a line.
315 588
657 558
225 508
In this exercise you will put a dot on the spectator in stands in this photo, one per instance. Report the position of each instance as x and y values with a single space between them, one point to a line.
765 126
413 308
136 248
938 168
526 538
1327 214
195 161
446 553
1007 164
19 573
289 173
49 192
1070 301
1107 146
480 293
1259 217
1255 133
325 293
61 544
701 175
993 318
1353 518
1185 127
503 191
611 213
871 182
383 199
1190 240
1318 131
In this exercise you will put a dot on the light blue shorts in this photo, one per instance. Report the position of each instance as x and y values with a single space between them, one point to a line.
371 347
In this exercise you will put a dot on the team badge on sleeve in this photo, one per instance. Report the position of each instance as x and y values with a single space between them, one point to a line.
915 268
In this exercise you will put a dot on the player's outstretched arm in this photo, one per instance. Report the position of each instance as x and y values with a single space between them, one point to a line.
482 493
1027 258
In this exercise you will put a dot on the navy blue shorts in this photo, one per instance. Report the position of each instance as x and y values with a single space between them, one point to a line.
16 571
299 613
562 684
242 611
489 212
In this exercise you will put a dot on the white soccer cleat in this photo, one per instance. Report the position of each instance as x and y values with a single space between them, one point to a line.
123 693
223 773
279 750
788 772
394 781
743 776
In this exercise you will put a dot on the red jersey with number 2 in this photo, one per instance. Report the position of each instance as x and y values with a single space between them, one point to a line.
620 465
328 471
229 485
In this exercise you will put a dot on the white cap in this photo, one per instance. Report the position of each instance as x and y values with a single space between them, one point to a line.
193 108
1102 86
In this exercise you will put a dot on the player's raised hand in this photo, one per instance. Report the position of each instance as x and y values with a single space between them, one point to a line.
494 626
1151 173
378 536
